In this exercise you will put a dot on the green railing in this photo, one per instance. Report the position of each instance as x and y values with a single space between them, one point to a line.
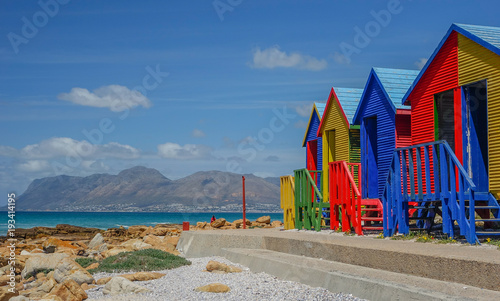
309 205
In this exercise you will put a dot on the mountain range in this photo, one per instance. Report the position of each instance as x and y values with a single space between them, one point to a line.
146 189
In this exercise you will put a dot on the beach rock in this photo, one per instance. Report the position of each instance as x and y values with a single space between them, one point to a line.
69 269
135 245
120 285
139 276
98 243
136 231
201 225
173 240
116 232
213 288
219 266
5 294
264 219
114 251
50 298
276 224
40 262
218 223
6 279
94 265
39 288
86 286
57 243
68 290
239 223
24 252
19 298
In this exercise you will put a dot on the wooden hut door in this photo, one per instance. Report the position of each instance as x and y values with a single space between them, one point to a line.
331 146
476 134
369 167
312 154
444 117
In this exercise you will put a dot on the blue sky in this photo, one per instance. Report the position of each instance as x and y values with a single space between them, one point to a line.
181 86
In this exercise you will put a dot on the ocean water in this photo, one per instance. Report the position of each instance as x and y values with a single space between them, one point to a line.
105 220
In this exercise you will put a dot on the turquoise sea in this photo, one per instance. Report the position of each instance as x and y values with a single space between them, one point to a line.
105 220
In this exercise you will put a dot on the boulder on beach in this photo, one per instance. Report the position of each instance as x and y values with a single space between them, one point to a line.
119 285
239 223
213 288
97 243
139 276
40 262
222 267
218 223
264 219
69 269
68 290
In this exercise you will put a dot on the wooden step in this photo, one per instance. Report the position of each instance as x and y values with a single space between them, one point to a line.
372 228
372 202
372 219
488 220
487 233
483 207
372 209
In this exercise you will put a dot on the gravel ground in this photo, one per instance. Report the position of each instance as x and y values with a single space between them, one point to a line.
179 284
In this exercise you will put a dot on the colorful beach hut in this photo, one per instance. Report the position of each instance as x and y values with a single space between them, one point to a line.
384 125
340 137
455 125
456 97
311 141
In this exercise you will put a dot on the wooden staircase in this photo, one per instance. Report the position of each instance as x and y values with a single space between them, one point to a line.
429 179
372 215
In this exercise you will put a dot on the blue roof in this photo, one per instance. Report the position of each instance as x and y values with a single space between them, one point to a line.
393 82
321 108
486 36
349 100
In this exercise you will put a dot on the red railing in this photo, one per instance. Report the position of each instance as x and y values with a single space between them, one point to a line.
345 198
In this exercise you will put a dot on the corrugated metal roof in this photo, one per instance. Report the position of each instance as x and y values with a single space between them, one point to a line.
349 100
313 123
396 82
486 36
321 108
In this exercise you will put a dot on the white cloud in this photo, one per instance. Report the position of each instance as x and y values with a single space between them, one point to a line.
188 151
420 63
273 57
34 165
114 97
304 110
63 146
198 133
341 59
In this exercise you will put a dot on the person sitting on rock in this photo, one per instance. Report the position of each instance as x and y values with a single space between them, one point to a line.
213 219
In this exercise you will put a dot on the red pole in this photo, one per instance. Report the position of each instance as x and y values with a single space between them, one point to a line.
244 207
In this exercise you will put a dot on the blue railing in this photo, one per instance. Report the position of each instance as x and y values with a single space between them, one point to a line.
424 174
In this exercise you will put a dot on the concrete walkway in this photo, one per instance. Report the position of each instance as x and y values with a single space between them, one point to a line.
375 269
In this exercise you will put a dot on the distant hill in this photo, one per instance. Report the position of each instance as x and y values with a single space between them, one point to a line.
146 189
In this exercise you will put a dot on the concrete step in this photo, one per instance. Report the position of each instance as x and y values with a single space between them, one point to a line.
470 266
362 282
